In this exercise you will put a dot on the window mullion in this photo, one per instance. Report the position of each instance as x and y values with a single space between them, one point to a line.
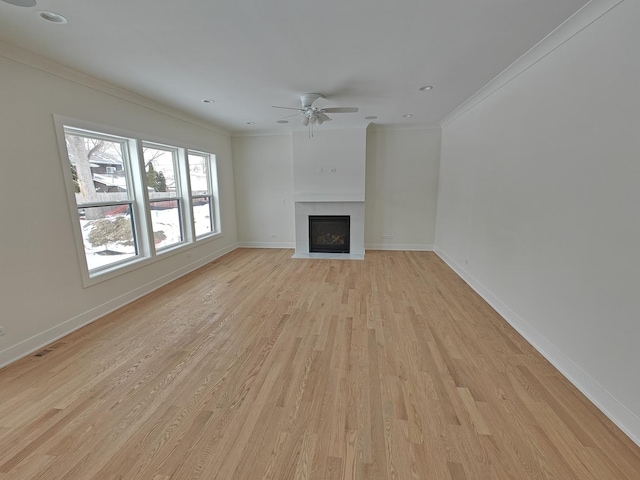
213 189
142 214
188 224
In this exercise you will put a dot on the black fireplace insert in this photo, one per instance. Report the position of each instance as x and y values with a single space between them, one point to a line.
329 233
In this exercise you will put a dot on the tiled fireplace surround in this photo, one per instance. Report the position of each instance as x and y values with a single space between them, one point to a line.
355 210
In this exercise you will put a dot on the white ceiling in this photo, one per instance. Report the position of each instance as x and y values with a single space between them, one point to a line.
250 54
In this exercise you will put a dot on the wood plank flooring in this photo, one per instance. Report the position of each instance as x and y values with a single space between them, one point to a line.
259 366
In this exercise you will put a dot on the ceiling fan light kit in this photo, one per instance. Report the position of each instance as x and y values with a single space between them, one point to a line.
313 111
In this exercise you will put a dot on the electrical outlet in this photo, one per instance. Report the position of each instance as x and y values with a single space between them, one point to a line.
387 237
188 255
273 235
1 331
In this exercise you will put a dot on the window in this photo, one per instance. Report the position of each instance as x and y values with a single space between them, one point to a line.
163 185
103 200
134 199
202 176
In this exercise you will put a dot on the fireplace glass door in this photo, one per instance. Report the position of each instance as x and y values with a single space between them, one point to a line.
329 233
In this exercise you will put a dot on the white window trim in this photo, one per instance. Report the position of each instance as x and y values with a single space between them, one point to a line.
180 196
146 249
212 183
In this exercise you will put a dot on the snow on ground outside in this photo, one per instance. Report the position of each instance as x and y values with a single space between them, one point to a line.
162 220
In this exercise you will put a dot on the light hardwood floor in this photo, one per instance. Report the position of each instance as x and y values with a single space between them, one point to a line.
259 366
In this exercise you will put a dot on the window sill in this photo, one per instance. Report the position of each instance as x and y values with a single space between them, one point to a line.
91 279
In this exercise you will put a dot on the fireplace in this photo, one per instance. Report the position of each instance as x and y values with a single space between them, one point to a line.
329 233
354 210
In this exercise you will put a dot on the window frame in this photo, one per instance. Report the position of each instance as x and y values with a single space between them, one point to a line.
178 197
211 173
142 222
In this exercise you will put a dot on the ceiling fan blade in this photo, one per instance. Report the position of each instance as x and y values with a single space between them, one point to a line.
340 110
289 116
319 103
288 108
323 117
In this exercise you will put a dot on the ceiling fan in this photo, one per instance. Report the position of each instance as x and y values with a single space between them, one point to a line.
313 111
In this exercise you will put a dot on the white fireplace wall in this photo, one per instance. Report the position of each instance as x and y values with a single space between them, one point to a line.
401 168
330 166
329 179
355 210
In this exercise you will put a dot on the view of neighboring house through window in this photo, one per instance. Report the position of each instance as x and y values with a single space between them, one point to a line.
101 184
201 175
135 199
164 194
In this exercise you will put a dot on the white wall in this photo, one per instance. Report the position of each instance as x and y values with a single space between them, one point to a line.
41 293
539 207
401 188
263 169
330 165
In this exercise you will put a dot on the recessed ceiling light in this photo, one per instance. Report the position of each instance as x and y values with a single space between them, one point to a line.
426 89
408 115
208 100
370 117
251 123
282 121
53 17
21 3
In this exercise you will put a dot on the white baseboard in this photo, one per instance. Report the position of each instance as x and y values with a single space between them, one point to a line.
626 420
35 343
267 245
418 247
410 247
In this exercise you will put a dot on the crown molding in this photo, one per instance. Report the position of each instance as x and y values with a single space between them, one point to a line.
328 128
46 65
262 133
393 128
371 127
580 20
295 129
